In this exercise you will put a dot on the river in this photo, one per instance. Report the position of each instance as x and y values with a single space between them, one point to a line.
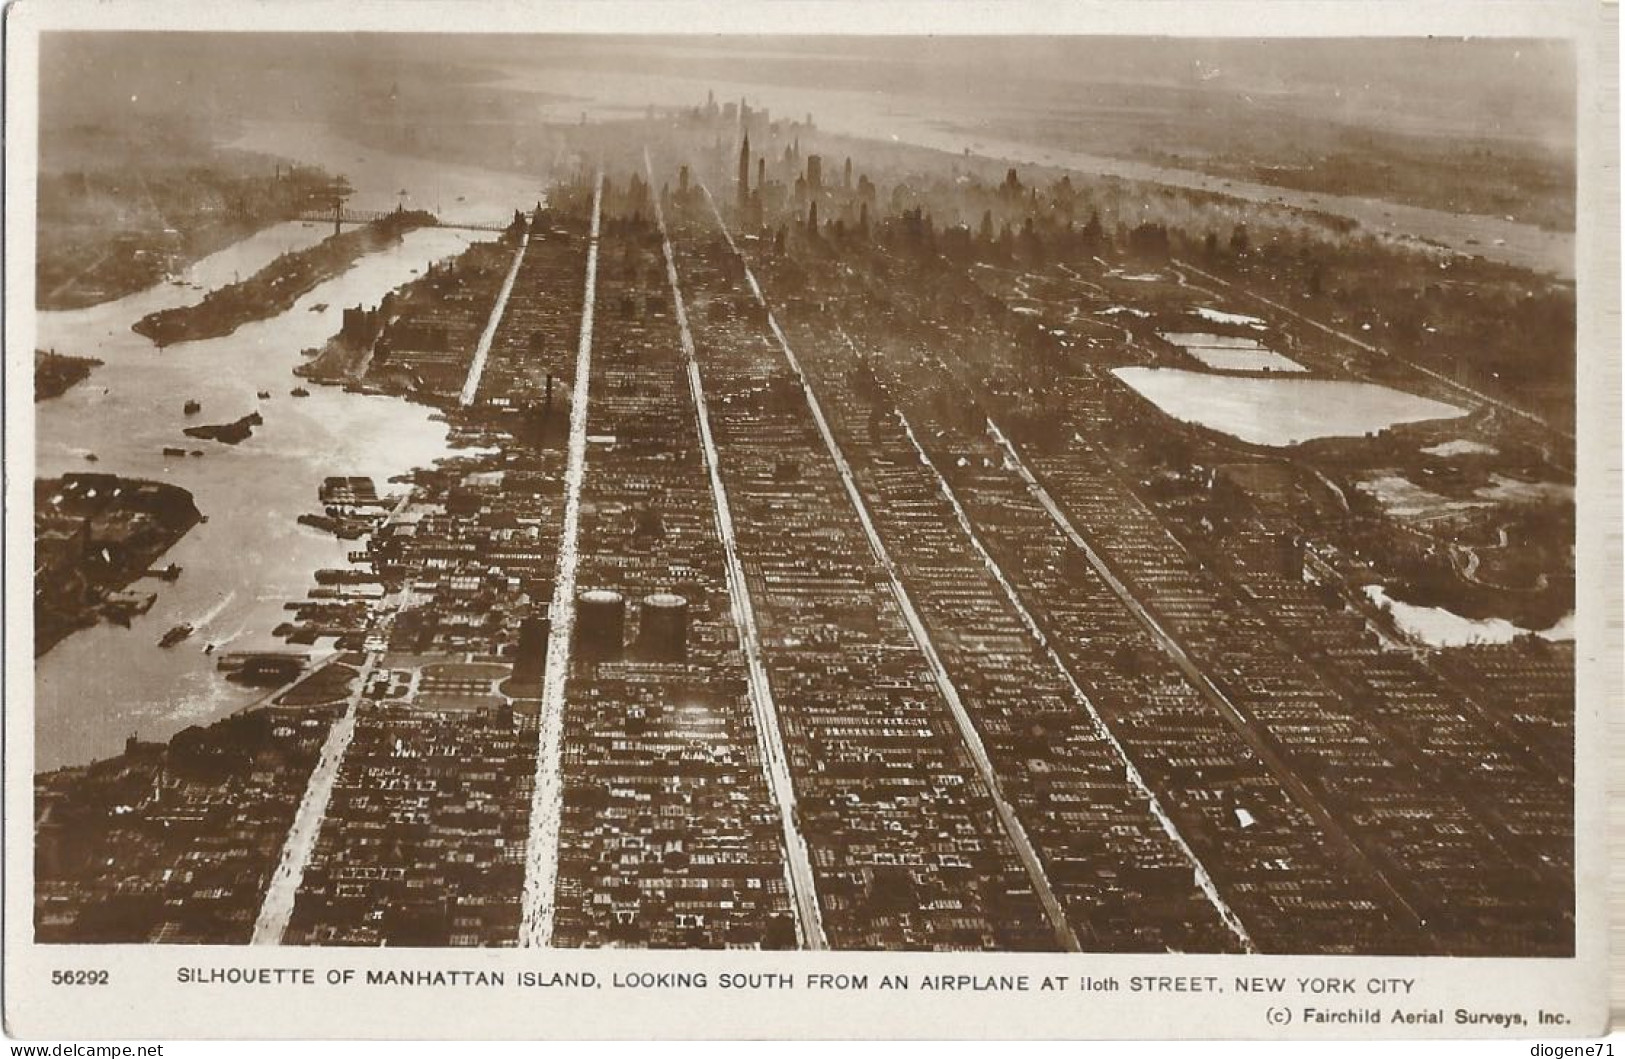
105 683
381 180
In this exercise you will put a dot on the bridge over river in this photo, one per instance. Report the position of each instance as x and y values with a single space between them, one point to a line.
341 217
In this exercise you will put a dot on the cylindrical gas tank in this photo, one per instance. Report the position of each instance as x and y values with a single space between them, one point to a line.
663 628
600 625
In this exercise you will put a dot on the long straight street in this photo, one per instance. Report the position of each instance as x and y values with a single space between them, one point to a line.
798 865
1204 878
541 853
276 910
482 350
945 686
1175 650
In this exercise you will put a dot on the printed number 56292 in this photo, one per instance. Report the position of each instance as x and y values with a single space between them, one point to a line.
78 977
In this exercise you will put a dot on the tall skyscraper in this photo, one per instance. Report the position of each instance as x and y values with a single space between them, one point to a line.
744 171
815 172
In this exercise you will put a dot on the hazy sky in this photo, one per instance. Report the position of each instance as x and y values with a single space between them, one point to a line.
1113 94
1517 89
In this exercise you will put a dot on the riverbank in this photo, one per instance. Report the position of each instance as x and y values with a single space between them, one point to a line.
56 373
94 535
103 236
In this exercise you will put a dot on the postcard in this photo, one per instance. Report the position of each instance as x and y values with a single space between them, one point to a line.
668 520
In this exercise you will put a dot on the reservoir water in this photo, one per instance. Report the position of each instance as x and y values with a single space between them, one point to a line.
1227 353
1438 627
1283 411
105 683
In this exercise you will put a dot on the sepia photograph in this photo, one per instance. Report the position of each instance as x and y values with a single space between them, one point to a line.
747 493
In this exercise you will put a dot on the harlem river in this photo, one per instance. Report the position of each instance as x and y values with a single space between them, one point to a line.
104 684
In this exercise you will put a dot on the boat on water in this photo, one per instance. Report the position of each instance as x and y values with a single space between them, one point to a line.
318 307
175 635
121 607
299 391
265 395
192 407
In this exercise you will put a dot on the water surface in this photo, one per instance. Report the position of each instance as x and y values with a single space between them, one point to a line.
104 683
1229 353
1438 627
1283 411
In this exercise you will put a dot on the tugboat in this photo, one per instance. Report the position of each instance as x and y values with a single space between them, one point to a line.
192 408
265 395
175 635
299 391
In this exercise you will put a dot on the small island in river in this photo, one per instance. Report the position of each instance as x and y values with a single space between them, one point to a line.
273 289
232 433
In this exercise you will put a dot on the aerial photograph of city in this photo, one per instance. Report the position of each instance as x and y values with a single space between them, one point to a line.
908 493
